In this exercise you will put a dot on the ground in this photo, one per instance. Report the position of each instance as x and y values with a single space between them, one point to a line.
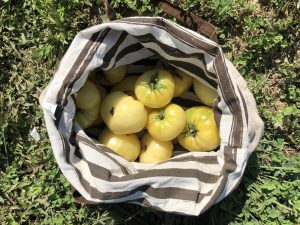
262 40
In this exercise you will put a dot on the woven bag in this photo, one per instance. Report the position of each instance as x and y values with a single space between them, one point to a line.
188 183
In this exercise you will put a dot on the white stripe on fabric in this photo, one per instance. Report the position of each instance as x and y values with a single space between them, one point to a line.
187 183
98 158
194 61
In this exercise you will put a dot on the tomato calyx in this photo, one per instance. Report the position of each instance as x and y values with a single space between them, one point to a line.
154 80
161 115
191 130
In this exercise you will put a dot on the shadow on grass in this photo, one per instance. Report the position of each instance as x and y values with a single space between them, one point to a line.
222 213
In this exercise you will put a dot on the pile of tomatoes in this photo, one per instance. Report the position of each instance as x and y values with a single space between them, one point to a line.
141 121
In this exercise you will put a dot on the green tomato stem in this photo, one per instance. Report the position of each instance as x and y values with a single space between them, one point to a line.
160 115
191 130
154 80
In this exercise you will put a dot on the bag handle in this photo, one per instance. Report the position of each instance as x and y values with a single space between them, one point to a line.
191 21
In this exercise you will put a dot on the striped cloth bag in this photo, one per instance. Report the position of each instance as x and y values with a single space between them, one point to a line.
190 182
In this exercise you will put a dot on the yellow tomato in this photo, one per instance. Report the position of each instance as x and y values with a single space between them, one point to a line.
88 102
108 77
86 118
155 88
183 82
88 96
206 94
200 132
166 123
155 151
115 75
103 93
128 145
123 114
126 85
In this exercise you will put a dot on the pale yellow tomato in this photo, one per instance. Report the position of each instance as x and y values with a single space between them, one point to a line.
155 151
115 75
88 96
206 94
201 132
155 88
166 123
86 118
183 81
108 77
88 102
126 85
123 114
103 93
127 145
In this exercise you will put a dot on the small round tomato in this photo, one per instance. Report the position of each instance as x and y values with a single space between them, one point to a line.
183 81
155 88
108 77
126 85
128 145
86 118
88 102
103 93
201 132
155 151
166 123
115 75
88 96
123 114
206 94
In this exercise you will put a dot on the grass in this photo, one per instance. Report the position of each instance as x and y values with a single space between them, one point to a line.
260 37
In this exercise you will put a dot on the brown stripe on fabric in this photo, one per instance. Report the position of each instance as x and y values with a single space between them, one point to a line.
234 154
217 193
229 166
77 69
194 70
175 52
190 68
129 49
103 150
244 104
112 51
87 141
217 112
78 63
66 147
185 36
104 174
160 193
231 100
79 198
146 62
186 102
200 159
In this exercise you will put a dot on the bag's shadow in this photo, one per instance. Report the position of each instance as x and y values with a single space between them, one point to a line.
220 214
